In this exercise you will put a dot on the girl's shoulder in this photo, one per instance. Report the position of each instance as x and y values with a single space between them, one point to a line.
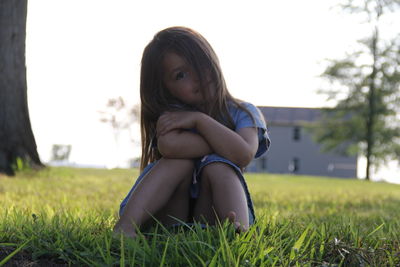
251 116
246 115
233 107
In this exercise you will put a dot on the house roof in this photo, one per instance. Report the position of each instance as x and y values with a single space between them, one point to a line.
289 115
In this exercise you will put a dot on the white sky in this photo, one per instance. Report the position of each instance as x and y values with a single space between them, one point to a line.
80 53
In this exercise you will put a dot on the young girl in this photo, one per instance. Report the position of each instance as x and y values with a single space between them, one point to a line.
196 139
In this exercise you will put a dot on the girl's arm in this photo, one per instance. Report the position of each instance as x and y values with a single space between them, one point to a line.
180 144
238 147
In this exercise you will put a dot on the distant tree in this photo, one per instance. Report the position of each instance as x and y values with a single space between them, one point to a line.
120 116
366 86
17 143
60 152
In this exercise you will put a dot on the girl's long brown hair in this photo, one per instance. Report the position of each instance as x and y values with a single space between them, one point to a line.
155 98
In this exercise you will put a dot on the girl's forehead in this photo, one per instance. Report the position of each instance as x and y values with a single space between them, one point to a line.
172 60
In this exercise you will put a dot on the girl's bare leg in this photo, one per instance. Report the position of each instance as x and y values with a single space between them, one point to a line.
221 191
161 188
177 208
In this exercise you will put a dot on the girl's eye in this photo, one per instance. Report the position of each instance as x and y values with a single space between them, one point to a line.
180 75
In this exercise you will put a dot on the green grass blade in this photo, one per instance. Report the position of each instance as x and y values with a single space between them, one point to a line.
214 259
8 244
100 249
376 229
164 253
86 261
12 254
297 245
200 260
122 256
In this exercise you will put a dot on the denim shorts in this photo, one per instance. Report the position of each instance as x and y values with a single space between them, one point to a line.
195 186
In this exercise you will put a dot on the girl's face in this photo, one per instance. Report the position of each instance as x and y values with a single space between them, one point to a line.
181 80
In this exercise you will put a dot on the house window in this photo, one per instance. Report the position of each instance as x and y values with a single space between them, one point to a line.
263 163
296 133
294 165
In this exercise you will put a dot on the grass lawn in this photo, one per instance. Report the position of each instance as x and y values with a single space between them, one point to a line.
64 216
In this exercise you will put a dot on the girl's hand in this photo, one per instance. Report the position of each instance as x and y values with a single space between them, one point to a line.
169 121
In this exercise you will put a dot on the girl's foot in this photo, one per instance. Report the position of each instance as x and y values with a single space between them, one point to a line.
126 230
232 219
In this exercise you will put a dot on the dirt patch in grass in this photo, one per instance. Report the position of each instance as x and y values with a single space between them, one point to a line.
24 259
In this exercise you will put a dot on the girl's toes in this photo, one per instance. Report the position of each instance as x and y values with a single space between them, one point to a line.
232 219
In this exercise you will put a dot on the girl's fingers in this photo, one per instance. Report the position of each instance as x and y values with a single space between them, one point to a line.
169 121
161 124
165 125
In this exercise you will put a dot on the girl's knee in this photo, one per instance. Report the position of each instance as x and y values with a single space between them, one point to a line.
187 167
218 172
180 164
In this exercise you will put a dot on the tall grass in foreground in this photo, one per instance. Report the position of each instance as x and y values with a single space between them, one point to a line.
64 216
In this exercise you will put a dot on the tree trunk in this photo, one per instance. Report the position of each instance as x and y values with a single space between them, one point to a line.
371 106
16 136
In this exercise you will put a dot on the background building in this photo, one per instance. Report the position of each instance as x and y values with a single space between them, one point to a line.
293 149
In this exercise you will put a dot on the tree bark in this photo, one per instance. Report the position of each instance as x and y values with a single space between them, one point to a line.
16 136
371 105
